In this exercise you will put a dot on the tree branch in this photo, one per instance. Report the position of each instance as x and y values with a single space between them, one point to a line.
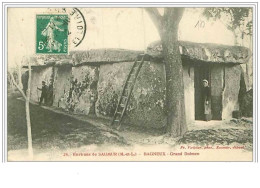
16 85
29 80
156 18
178 13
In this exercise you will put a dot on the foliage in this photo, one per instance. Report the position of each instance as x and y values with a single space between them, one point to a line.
247 104
77 88
233 17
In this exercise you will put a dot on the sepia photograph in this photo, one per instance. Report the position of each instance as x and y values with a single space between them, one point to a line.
143 83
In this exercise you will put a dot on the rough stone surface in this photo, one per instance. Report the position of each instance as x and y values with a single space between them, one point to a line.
99 56
111 80
216 84
40 74
95 56
188 80
231 90
206 52
146 105
81 94
82 88
147 102
62 77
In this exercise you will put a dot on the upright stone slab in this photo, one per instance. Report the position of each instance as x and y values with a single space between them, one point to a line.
111 80
216 84
61 85
188 81
39 74
83 90
231 90
147 103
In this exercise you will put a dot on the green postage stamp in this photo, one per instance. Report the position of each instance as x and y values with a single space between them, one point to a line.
52 34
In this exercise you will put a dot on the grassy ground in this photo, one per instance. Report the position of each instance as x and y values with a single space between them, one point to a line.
51 130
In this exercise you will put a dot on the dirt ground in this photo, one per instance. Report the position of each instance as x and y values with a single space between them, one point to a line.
54 130
202 133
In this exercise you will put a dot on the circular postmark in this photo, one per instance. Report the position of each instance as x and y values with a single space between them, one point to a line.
77 22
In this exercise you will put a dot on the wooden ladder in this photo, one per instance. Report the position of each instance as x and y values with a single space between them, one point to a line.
127 90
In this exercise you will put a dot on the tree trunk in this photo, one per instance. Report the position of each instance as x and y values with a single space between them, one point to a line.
20 77
176 119
29 131
167 26
27 108
28 118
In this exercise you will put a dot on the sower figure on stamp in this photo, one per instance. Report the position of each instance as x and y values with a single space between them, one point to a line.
52 44
207 100
44 90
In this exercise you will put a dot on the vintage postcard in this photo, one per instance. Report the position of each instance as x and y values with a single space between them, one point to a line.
166 83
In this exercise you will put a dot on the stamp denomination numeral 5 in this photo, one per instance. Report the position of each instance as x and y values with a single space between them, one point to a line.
41 45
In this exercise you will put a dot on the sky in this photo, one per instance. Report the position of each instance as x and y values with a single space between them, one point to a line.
127 28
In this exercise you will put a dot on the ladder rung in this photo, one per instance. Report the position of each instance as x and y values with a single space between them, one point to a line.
128 89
